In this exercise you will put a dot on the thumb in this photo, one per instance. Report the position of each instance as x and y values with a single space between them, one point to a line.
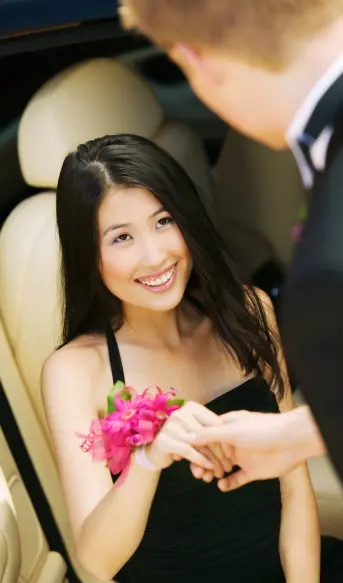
234 481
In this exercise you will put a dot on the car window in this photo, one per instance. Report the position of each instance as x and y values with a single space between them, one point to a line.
24 15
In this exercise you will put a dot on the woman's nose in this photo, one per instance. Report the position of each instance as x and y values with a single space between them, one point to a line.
153 254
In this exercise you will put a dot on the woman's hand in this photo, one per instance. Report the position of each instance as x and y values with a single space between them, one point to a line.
221 463
171 444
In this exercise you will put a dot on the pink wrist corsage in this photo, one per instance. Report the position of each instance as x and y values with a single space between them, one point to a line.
132 420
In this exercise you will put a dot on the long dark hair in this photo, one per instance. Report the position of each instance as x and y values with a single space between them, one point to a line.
235 311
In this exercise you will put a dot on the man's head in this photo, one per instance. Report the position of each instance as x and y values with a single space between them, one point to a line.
251 61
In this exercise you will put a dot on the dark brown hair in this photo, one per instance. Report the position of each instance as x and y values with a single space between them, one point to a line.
235 311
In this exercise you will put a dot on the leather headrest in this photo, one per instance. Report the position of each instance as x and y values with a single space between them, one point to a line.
86 101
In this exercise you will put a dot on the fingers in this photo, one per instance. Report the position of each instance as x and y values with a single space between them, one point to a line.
197 471
193 418
221 460
229 429
207 435
174 441
189 419
224 454
194 411
221 464
201 474
217 468
187 452
208 476
204 416
234 481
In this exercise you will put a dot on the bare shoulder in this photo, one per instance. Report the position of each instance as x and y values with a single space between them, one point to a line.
70 382
264 298
75 364
265 302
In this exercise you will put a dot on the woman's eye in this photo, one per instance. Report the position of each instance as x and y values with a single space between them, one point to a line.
164 221
122 238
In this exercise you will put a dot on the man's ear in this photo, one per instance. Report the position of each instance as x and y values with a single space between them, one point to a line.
186 56
196 61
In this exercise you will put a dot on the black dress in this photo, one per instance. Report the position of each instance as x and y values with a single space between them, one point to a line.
197 533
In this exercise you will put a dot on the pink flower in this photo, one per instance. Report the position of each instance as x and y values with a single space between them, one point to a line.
136 420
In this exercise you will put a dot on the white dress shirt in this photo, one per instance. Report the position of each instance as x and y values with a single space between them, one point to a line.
318 150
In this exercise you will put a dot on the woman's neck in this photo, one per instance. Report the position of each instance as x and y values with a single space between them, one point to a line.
156 329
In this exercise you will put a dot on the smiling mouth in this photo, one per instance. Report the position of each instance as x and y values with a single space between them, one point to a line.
161 282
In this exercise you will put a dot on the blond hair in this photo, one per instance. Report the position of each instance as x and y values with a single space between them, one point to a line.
266 32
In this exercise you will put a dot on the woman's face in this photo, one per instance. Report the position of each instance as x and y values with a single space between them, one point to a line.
144 259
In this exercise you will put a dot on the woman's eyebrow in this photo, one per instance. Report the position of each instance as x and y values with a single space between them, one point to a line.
125 225
115 227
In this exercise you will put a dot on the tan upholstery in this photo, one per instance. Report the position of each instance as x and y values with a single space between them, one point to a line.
24 553
92 99
87 101
260 190
103 96
82 103
329 496
328 489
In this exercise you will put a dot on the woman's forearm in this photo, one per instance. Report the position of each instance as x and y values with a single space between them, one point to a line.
299 536
113 531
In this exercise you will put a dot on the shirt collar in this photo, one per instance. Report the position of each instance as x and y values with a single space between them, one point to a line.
319 149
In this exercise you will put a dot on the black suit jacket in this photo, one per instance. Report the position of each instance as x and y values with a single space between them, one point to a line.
312 323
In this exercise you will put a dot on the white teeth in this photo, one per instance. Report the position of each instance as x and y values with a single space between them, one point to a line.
159 280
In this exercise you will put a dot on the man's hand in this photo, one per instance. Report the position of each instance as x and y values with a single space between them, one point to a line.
263 445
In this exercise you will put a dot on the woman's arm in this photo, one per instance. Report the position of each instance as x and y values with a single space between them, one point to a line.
299 535
108 523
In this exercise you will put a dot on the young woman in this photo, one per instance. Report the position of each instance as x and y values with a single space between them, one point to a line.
151 298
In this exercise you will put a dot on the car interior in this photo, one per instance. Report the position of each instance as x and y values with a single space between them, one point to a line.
72 74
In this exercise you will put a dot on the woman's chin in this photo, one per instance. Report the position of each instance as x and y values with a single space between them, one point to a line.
165 301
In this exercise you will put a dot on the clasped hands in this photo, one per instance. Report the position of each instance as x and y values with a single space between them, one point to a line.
214 444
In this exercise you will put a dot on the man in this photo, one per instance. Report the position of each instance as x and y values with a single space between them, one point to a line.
273 69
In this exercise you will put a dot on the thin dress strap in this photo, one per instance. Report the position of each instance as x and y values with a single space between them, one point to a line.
115 359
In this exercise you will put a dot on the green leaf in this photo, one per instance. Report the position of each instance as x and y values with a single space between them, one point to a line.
173 402
125 395
118 386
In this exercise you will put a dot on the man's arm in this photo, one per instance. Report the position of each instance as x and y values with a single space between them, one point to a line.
263 445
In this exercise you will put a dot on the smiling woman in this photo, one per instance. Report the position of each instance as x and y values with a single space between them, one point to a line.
151 298
146 217
144 253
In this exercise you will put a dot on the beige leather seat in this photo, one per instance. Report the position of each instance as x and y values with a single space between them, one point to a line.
329 492
24 554
260 190
84 102
92 99
89 100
